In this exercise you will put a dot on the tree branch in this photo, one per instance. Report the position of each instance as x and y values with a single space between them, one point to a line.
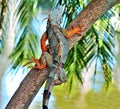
35 78
28 89
89 15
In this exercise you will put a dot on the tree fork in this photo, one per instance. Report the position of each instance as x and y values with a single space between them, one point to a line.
30 85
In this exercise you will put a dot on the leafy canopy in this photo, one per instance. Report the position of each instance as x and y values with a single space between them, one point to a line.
95 47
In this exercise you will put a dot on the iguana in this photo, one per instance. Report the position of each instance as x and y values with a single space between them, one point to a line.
54 55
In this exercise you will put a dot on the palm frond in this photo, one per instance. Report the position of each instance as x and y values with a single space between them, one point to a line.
107 73
95 46
26 42
71 9
97 43
105 44
9 25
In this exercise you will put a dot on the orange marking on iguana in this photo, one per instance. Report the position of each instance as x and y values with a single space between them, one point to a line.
43 42
42 62
67 33
58 48
70 33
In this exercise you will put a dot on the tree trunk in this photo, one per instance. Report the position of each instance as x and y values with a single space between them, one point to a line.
9 24
35 78
2 14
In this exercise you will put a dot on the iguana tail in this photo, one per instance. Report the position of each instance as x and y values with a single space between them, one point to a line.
50 84
47 92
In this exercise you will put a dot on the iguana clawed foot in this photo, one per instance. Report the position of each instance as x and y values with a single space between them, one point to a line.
38 64
75 30
45 60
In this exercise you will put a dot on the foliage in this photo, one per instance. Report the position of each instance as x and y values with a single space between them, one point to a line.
117 8
72 8
96 45
26 35
44 5
26 43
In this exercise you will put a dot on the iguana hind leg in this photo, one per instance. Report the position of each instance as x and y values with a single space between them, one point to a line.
38 64
61 77
44 61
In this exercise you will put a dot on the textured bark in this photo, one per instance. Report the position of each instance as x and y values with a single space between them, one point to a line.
93 11
35 78
28 89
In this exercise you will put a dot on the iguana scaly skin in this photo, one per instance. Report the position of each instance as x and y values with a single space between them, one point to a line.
58 48
54 55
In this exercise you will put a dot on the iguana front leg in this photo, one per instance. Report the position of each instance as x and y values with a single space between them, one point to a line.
70 33
43 40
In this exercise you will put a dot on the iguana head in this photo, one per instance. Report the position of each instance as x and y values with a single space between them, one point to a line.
55 15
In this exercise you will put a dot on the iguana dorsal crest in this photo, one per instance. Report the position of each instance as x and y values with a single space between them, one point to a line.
55 14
